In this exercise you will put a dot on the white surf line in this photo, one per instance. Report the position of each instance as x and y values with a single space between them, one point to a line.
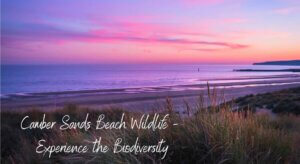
257 85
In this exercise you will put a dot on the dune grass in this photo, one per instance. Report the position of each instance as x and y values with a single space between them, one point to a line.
285 101
213 134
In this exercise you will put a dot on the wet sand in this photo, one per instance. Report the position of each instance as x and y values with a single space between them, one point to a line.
147 98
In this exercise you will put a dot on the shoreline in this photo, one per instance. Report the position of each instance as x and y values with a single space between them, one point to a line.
202 82
145 99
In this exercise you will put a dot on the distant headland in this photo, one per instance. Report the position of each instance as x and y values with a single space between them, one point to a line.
286 62
267 70
279 63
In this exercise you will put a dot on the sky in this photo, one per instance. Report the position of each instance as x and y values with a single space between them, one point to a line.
149 31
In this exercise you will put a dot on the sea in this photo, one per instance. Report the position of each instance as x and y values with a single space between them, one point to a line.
22 79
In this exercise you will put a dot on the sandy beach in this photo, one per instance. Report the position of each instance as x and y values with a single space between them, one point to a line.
147 99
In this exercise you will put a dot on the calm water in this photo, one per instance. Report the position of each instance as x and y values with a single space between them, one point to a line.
29 79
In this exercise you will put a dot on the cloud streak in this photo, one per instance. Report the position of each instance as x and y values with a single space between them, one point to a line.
132 33
203 2
286 11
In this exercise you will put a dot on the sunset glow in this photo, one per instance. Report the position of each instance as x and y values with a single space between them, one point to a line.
149 31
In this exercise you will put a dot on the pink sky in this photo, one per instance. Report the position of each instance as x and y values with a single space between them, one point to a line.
149 31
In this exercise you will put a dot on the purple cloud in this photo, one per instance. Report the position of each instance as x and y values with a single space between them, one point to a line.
26 32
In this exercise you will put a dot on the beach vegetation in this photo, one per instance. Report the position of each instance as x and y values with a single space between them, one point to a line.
206 133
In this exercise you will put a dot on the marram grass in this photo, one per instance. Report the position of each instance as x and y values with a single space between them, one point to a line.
213 134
